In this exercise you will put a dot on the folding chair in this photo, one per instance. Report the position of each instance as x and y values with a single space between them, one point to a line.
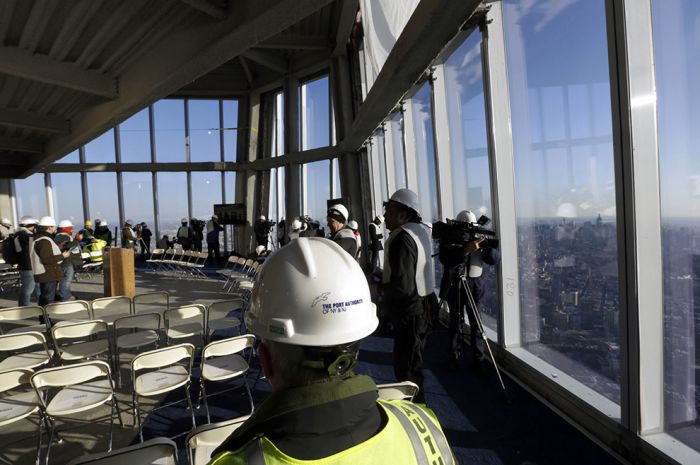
77 388
151 302
202 440
19 357
405 390
61 312
222 360
22 319
184 322
109 309
20 405
78 341
157 451
165 374
219 318
134 332
155 259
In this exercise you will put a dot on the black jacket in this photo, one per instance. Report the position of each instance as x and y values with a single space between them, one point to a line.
400 293
25 238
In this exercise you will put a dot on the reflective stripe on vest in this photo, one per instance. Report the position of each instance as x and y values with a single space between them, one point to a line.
418 450
254 454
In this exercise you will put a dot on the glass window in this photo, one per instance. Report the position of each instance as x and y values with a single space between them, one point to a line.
278 125
378 152
469 160
272 198
137 189
317 189
206 191
337 191
396 123
169 128
421 109
205 143
30 194
73 157
101 149
230 183
676 27
565 187
281 197
68 197
230 114
315 115
135 139
102 198
172 201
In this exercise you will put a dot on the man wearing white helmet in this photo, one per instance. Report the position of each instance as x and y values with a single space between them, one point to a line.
352 224
5 229
214 229
129 237
340 232
46 260
65 241
409 283
261 229
311 307
465 261
376 236
23 244
184 235
102 232
297 226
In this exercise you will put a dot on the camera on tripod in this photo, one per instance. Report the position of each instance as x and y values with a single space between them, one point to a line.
453 233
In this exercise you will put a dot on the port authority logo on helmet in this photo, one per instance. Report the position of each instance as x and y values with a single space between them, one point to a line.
339 307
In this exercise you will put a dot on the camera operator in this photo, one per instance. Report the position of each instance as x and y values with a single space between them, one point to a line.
261 229
184 235
465 260
197 234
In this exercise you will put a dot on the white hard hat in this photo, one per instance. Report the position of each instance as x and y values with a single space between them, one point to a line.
353 224
311 293
338 212
407 198
103 223
27 221
65 224
259 249
261 217
184 220
6 221
47 221
130 222
296 224
466 216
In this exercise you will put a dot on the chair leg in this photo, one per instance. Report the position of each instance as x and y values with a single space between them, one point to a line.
250 394
38 445
189 403
51 434
111 425
137 417
206 403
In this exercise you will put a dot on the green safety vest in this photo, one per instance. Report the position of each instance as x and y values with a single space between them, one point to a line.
411 436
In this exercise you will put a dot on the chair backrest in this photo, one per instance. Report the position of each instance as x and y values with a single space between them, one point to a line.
15 342
405 390
151 302
202 440
10 379
78 329
21 316
162 357
72 310
228 346
69 375
110 306
185 313
157 451
222 308
140 321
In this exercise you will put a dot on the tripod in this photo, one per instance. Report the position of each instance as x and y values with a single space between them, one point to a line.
463 285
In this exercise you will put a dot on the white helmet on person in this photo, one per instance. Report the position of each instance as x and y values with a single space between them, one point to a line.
353 225
65 224
47 221
183 220
466 216
259 249
129 222
407 198
262 218
338 212
6 222
104 223
311 293
296 224
27 221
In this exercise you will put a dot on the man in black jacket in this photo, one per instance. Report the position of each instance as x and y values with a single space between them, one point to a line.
24 238
340 232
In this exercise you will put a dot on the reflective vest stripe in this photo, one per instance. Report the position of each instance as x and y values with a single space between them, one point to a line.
437 436
254 454
418 450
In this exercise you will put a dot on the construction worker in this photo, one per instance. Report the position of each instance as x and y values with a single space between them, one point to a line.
340 232
311 307
46 259
24 240
65 241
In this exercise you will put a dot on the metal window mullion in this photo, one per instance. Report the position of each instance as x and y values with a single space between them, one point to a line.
156 207
442 141
120 188
389 156
188 148
13 202
221 131
154 195
503 176
48 191
410 146
83 182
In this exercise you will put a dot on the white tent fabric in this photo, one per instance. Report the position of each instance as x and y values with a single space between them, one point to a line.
383 22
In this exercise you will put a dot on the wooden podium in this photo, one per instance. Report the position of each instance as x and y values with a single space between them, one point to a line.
118 271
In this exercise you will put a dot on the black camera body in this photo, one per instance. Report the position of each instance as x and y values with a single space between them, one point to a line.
197 225
453 233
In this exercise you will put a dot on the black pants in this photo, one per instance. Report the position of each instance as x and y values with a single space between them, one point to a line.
410 332
458 301
48 292
213 248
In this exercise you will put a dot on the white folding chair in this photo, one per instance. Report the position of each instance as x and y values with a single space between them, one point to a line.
21 319
24 350
69 390
184 322
219 315
154 260
79 340
157 451
134 332
20 404
61 312
202 440
151 302
159 371
224 360
109 309
404 390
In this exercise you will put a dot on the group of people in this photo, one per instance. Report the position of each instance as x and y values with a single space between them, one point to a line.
191 234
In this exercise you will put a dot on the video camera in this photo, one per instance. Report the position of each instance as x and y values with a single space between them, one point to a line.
197 225
454 233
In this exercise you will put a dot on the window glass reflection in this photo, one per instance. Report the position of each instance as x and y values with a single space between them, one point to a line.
396 124
206 191
172 201
102 198
73 157
676 27
169 128
315 115
423 138
378 153
30 195
137 189
135 139
317 189
337 191
101 149
205 143
565 187
231 129
68 197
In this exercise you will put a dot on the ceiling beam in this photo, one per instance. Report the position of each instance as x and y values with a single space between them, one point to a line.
346 19
41 68
268 59
207 7
246 71
431 26
28 120
296 42
11 144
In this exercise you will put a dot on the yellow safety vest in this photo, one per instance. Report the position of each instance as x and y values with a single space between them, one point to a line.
412 436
